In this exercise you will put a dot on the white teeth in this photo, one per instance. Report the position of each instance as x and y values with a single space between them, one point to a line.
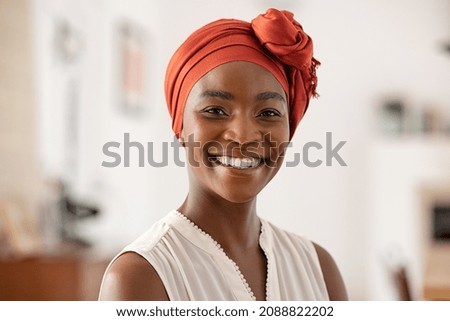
240 163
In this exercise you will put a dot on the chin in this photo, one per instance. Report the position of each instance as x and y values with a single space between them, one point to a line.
238 199
239 195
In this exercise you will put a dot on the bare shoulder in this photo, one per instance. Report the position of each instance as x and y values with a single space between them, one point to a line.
333 279
132 278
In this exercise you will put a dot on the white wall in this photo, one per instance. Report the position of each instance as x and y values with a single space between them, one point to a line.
406 177
369 50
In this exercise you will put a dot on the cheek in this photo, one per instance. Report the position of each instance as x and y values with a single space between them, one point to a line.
285 130
196 142
194 127
202 138
278 142
279 134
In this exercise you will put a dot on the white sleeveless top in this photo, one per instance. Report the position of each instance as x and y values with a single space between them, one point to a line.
192 266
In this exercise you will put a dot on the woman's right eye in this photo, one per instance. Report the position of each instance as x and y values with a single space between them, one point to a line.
214 111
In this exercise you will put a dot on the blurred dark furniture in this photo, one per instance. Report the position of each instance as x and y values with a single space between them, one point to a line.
66 276
436 284
402 284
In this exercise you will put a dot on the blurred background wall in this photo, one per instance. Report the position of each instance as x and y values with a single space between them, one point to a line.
75 75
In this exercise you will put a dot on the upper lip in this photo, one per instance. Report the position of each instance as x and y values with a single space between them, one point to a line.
257 150
261 159
249 155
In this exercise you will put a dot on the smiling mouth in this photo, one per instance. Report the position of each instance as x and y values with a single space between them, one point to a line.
237 162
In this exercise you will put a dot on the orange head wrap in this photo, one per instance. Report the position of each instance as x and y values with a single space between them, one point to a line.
273 40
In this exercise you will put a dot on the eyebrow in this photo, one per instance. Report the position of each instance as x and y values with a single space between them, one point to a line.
270 95
229 96
218 93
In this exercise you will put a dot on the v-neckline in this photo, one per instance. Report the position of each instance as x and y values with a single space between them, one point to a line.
213 247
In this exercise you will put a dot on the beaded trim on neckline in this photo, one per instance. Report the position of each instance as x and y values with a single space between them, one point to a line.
236 267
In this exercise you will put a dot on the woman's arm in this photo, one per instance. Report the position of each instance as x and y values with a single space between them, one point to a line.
132 278
333 279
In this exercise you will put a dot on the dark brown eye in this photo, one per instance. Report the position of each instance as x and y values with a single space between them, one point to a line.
269 113
214 111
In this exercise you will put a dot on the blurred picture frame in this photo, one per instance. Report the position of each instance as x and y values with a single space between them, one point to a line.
434 196
132 68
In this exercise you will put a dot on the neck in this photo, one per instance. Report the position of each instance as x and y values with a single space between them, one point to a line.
235 226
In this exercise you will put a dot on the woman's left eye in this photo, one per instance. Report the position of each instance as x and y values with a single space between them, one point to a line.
269 113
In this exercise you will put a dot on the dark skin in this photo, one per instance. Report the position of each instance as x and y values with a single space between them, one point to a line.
235 105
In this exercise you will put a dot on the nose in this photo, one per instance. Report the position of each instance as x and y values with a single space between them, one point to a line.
243 130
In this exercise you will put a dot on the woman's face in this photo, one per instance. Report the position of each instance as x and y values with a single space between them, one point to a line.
236 130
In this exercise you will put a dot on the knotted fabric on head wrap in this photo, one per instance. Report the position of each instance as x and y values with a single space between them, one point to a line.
273 40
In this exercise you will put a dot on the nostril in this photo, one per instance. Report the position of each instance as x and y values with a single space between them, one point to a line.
244 134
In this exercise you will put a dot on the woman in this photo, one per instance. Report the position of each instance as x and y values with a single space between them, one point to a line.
236 92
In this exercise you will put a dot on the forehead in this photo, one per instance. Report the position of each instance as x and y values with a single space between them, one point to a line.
239 76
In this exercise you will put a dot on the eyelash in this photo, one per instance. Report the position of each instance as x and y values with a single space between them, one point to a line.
216 111
274 113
